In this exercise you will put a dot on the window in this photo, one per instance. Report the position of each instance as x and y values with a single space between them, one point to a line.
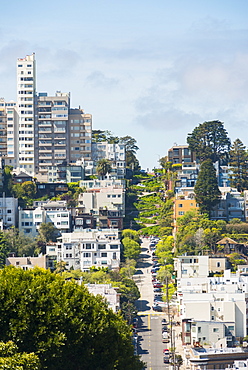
9 211
199 329
101 246
88 246
114 246
180 205
181 213
87 254
215 330
231 327
104 255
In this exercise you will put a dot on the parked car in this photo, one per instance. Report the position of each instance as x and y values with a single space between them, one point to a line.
157 285
157 290
135 322
167 359
157 308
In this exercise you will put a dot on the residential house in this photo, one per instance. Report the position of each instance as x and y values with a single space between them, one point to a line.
109 293
88 248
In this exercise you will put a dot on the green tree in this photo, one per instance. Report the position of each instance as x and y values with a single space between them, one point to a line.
11 359
128 268
236 259
7 181
4 248
103 167
207 193
209 140
130 144
132 234
19 243
29 189
131 248
62 323
238 161
101 136
47 232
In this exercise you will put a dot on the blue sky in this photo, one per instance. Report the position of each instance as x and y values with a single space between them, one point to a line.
153 70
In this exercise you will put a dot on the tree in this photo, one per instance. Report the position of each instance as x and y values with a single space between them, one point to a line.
7 180
48 232
101 136
207 193
131 248
130 144
11 359
132 234
19 243
4 248
238 161
103 167
209 141
29 189
62 323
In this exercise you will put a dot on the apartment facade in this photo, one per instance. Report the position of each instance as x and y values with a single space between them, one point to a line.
39 132
54 212
26 106
115 153
90 248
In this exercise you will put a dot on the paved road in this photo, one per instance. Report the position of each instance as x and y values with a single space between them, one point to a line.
150 328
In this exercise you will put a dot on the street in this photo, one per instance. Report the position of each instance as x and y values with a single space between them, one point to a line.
150 345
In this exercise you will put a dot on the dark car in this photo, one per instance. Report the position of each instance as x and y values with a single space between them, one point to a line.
166 359
157 290
157 285
157 308
135 322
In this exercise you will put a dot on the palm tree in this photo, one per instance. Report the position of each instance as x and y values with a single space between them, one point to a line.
103 167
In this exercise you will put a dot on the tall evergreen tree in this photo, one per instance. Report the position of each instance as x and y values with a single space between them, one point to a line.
207 193
239 165
103 167
209 141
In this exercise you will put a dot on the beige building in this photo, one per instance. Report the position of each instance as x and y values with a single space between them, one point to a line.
27 263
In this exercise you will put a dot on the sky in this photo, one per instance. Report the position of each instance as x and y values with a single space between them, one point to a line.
153 70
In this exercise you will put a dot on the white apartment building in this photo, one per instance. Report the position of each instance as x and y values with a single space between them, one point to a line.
26 95
105 200
87 248
214 333
40 132
115 153
198 266
109 293
55 212
8 212
9 132
52 131
216 299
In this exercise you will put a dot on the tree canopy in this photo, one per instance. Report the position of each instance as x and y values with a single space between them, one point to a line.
62 323
238 161
209 140
207 193
103 167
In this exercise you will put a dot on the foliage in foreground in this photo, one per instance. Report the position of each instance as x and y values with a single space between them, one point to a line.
61 323
11 359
